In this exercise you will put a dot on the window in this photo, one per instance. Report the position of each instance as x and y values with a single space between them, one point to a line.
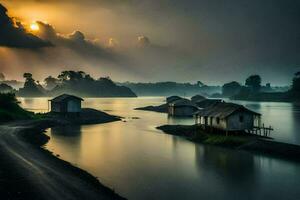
241 118
218 120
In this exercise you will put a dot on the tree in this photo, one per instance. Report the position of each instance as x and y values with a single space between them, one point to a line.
254 82
4 88
28 77
73 76
296 83
51 82
200 83
2 77
230 89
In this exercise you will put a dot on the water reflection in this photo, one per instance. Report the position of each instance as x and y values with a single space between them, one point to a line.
224 162
70 137
295 123
180 120
140 162
67 131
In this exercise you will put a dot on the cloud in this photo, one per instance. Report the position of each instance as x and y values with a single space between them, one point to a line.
77 42
13 34
143 41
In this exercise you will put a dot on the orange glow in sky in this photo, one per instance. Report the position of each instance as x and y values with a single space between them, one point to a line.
34 27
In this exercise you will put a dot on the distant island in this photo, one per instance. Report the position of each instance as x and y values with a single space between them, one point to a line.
71 82
254 91
169 88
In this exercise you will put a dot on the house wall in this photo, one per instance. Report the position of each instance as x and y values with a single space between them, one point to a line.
74 106
221 125
233 121
55 107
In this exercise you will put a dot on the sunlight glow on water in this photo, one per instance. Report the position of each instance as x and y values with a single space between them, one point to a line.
140 162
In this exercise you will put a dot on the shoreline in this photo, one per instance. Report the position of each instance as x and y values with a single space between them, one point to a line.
29 171
250 143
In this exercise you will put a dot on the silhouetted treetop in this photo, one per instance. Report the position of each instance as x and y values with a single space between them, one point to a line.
2 77
254 82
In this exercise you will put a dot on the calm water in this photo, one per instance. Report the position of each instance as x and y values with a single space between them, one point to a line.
140 162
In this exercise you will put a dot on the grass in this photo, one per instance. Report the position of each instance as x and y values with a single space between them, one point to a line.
231 141
195 134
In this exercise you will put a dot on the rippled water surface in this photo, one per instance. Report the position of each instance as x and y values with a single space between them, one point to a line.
140 162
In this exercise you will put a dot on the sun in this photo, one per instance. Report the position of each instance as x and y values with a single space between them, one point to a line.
34 27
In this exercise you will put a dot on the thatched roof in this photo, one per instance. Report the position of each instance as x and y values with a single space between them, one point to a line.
197 98
65 97
172 99
183 102
223 110
208 103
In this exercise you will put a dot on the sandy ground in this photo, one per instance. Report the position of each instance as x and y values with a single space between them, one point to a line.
28 171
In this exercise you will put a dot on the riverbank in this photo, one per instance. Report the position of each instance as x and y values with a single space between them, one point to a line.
161 108
28 171
246 142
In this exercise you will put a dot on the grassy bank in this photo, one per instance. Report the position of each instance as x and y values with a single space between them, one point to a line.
10 109
24 162
246 142
196 134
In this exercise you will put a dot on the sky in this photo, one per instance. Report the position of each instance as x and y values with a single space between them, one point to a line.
215 41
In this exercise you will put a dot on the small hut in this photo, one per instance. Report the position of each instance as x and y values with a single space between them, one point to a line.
182 107
228 117
206 103
66 104
197 98
171 99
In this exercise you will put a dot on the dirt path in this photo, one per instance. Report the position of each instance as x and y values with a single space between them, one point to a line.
29 172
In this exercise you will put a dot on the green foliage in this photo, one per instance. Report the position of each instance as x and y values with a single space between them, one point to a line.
232 141
296 83
4 88
254 82
231 89
10 109
28 76
80 83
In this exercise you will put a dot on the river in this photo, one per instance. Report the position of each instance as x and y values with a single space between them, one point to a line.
140 162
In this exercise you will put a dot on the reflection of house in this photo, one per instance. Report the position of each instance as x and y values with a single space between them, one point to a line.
66 104
182 107
228 117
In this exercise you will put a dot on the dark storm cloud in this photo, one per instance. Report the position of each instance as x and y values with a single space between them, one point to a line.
13 34
77 43
189 40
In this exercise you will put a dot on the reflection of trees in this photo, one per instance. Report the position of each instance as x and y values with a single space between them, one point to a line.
295 121
235 166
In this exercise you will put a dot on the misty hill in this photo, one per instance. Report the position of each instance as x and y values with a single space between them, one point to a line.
76 83
31 88
171 88
12 83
